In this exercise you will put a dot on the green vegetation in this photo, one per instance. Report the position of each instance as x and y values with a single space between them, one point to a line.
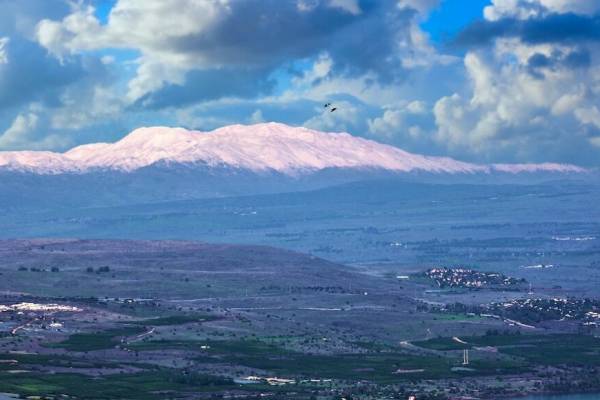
456 317
387 366
558 349
174 320
443 344
97 340
49 360
146 385
534 349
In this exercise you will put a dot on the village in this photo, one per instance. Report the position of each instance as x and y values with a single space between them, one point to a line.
472 279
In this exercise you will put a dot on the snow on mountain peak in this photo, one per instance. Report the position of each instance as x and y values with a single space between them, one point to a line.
259 148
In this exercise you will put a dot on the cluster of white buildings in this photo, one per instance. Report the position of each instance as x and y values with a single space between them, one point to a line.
35 307
463 277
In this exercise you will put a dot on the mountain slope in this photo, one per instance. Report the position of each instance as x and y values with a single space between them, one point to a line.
261 148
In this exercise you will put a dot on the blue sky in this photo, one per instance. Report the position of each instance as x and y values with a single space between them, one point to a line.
478 80
450 17
103 8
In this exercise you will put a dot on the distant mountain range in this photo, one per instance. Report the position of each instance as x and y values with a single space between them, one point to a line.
162 164
261 148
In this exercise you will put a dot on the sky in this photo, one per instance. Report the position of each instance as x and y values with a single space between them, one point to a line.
477 80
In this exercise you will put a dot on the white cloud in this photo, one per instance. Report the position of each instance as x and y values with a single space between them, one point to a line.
422 6
453 119
510 109
350 6
568 102
147 25
150 26
172 43
256 117
524 9
84 107
306 5
494 102
77 31
589 115
197 118
3 51
318 84
396 121
416 51
153 75
20 131
416 107
24 134
342 119
388 124
584 7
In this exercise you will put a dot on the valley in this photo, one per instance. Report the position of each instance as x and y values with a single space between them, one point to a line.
176 319
299 200
443 286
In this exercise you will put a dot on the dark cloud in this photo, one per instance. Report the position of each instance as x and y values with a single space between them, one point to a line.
554 28
267 32
538 62
31 75
259 36
371 46
578 59
204 85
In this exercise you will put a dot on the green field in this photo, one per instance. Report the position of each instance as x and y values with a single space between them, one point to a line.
50 360
380 366
535 349
97 340
174 320
159 384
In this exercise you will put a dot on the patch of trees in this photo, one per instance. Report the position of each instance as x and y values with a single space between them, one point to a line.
38 269
99 270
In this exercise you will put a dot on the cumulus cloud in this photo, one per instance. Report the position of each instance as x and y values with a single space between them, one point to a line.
526 9
221 37
521 84
359 52
533 84
346 116
29 75
23 134
507 111
45 100
553 28
405 121
19 131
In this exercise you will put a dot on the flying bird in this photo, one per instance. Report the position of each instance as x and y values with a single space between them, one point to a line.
327 105
333 109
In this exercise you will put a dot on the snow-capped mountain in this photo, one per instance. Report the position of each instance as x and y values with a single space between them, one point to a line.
261 148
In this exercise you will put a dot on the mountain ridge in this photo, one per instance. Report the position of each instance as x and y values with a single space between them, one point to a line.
260 148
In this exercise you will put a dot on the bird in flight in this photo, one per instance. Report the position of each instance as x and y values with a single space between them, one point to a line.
329 106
